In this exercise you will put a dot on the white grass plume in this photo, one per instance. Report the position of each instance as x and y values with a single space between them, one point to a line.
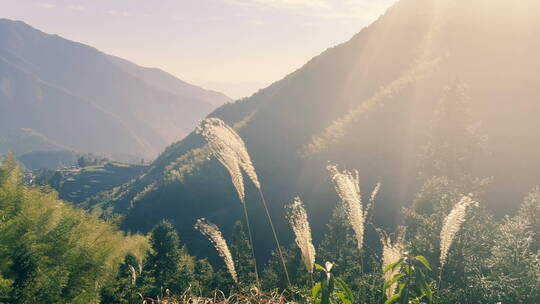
212 232
347 187
451 225
299 221
229 148
371 203
133 274
391 253
375 192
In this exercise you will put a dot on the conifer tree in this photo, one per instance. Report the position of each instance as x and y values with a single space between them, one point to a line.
241 252
339 247
455 142
123 289
163 262
273 275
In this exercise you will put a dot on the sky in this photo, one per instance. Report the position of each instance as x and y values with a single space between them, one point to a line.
232 46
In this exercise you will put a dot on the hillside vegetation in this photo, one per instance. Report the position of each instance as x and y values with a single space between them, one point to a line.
52 252
370 103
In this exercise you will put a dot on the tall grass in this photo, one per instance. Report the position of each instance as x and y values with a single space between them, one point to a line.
213 234
347 187
451 226
230 150
299 221
391 253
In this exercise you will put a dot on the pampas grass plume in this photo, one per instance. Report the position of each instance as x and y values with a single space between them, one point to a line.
347 187
229 148
213 234
391 253
452 224
299 221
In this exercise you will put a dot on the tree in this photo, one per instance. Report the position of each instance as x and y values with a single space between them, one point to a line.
241 252
163 262
512 274
124 288
274 276
339 246
530 213
455 143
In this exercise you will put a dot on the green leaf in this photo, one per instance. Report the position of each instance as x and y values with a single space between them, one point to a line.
404 299
316 290
343 298
393 266
396 278
424 261
319 267
345 288
392 299
427 292
401 287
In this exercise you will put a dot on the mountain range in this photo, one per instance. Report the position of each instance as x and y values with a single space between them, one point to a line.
56 94
425 73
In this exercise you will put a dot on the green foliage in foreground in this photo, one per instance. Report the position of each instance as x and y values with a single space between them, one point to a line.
330 288
51 252
413 287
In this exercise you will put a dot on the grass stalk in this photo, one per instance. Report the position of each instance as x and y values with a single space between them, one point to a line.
246 216
275 237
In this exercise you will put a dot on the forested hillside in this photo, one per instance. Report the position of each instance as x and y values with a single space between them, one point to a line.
425 76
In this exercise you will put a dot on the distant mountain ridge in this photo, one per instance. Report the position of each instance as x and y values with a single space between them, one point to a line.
88 101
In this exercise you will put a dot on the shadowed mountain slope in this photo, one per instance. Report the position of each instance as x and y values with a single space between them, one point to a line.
370 104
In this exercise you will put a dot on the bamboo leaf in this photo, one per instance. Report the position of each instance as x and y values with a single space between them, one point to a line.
396 278
316 290
393 266
424 261
392 299
319 267
345 288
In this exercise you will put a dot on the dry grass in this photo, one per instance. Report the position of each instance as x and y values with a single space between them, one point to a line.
250 297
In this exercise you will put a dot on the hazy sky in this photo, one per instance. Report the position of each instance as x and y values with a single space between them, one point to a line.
234 46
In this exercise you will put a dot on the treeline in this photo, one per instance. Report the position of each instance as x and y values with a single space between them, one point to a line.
489 260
